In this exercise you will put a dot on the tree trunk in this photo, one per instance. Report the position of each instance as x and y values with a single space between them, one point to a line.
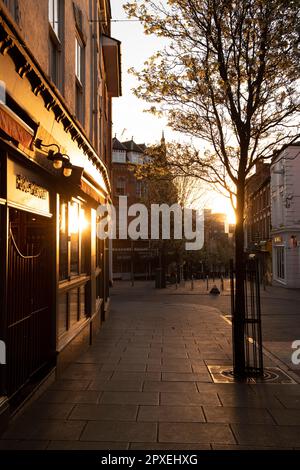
239 303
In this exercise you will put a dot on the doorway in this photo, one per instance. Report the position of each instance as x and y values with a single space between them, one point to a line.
29 296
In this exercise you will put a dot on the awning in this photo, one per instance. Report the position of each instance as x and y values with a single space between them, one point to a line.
14 127
112 59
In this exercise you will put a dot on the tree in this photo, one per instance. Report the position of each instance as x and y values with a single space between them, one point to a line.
228 76
161 187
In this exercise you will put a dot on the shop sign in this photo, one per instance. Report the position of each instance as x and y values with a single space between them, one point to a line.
278 239
25 190
27 186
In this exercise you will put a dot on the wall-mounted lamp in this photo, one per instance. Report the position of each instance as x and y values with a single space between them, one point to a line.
38 143
58 159
68 168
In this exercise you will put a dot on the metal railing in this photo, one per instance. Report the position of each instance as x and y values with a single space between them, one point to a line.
28 314
252 319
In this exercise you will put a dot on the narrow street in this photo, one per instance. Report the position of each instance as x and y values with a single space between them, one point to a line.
145 384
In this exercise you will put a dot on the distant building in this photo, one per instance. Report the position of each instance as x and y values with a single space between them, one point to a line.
214 226
285 201
130 258
218 242
258 218
231 231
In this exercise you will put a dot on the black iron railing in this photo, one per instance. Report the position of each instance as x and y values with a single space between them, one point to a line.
28 314
251 319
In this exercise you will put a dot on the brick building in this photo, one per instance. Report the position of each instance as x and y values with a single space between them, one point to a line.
258 218
59 70
218 242
130 258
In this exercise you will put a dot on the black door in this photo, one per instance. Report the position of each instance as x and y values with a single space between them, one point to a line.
29 328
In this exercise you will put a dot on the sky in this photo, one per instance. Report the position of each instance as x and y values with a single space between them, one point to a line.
129 118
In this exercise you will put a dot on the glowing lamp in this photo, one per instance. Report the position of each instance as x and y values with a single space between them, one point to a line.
56 158
68 168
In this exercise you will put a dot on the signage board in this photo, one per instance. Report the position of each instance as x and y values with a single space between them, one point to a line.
25 190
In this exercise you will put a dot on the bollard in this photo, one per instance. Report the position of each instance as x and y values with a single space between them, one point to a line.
222 283
192 283
206 282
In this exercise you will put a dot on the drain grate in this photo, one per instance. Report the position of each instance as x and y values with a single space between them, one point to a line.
274 375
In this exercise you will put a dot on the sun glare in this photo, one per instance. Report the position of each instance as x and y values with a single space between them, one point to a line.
222 204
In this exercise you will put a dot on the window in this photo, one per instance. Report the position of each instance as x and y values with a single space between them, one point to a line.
135 158
73 263
13 7
73 241
79 61
74 238
121 187
72 309
54 62
139 189
62 314
280 266
119 156
55 16
99 266
79 78
63 241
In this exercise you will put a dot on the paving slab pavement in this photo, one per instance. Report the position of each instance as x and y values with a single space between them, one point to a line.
145 384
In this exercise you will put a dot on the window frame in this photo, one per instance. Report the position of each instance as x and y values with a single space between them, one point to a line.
56 44
54 16
73 289
13 8
79 80
123 187
280 265
139 188
81 240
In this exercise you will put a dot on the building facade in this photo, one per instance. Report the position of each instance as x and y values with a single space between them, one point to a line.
218 243
131 259
258 219
59 70
285 201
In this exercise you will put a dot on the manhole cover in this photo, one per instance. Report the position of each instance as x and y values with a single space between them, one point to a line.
224 374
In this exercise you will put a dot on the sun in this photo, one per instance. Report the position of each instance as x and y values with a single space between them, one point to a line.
222 204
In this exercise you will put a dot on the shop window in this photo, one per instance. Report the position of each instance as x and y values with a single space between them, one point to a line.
84 255
62 314
63 241
74 240
82 309
99 251
72 309
280 265
99 266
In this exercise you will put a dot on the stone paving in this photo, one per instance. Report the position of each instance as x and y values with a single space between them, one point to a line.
144 384
280 313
